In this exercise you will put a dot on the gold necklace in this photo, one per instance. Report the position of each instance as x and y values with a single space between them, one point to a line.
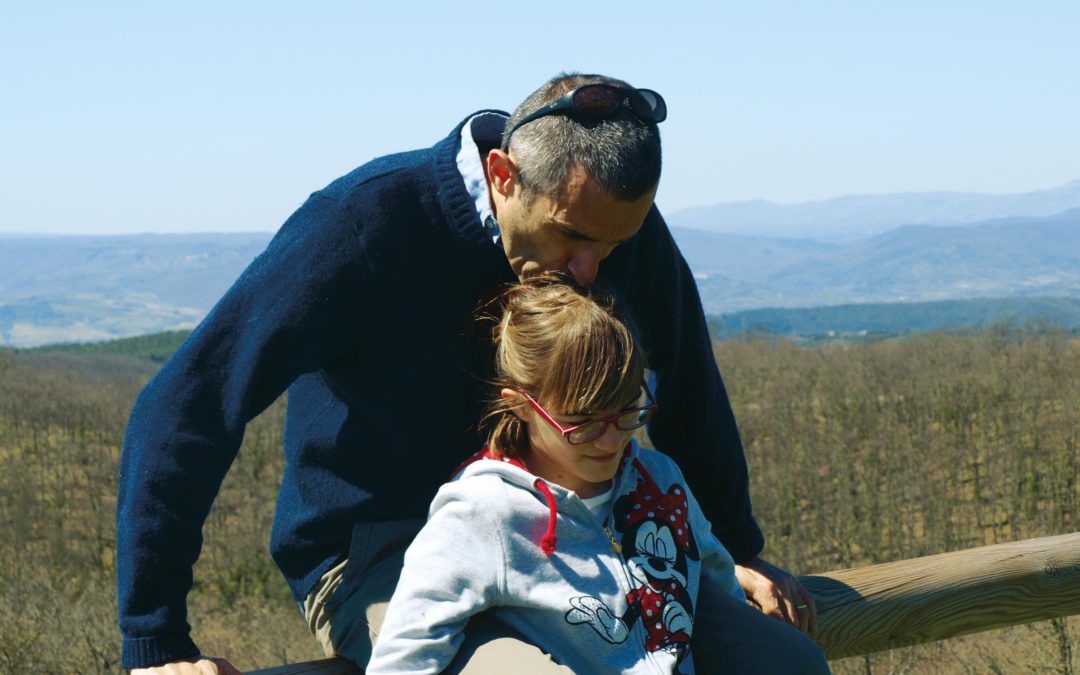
614 544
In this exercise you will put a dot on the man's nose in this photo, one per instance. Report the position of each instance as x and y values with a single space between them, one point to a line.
584 264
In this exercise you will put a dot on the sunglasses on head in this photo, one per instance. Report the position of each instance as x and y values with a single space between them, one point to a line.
600 102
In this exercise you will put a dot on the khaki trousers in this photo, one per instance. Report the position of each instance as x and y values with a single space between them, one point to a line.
346 608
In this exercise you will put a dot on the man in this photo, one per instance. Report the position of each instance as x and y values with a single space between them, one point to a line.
363 307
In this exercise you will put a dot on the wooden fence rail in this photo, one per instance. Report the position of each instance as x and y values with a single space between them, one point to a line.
909 602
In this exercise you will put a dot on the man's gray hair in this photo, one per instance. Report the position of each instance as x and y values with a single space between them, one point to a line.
622 154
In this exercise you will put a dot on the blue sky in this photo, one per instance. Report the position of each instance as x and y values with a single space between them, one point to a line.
122 117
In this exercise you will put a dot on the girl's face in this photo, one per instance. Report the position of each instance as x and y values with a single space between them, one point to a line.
587 468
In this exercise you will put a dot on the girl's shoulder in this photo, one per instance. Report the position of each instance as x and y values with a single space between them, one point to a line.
476 488
490 485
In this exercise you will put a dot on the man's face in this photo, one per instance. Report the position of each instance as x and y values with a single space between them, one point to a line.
570 234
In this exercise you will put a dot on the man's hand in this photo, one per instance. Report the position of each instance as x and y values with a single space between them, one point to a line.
777 593
205 665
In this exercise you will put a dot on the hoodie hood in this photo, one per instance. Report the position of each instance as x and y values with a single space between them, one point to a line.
514 472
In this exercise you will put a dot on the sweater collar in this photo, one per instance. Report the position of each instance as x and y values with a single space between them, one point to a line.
457 204
481 132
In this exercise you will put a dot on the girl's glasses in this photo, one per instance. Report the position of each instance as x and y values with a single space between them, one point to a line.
594 429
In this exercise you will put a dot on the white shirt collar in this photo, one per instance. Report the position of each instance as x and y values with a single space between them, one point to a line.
601 503
487 126
600 499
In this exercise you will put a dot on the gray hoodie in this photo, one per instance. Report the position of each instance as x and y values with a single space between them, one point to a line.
498 538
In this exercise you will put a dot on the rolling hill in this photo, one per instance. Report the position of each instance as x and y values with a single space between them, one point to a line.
79 289
1013 257
75 289
854 217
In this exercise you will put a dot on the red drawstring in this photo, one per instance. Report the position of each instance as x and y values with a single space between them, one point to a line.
643 472
548 541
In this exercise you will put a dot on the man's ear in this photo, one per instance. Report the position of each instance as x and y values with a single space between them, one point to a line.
502 172
514 400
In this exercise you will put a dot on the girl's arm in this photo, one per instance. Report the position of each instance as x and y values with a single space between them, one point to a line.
453 570
717 565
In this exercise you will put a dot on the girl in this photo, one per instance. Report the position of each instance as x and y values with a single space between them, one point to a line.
563 527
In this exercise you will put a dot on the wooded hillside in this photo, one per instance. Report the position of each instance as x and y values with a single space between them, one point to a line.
858 453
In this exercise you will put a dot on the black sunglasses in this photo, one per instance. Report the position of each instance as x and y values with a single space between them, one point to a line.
600 102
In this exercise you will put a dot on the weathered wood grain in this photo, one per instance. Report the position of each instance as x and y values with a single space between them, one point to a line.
921 600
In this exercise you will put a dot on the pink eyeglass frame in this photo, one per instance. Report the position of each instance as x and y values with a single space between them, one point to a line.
653 406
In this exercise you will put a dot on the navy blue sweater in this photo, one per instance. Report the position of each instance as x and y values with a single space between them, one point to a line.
363 307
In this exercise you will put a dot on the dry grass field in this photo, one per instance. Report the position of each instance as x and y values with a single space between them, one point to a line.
859 453
866 453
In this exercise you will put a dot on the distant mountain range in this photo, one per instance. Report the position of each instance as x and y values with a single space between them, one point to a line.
77 289
874 320
1013 257
855 217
